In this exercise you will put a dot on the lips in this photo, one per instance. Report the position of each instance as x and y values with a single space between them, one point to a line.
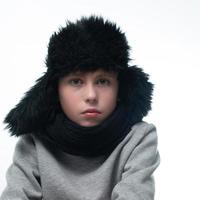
92 110
91 113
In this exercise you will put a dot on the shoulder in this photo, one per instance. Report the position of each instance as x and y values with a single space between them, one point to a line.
141 130
29 141
141 134
143 126
25 143
25 153
25 146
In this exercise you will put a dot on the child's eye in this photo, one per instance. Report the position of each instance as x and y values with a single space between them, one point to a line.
75 82
103 82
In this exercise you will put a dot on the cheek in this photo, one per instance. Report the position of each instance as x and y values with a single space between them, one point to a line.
110 100
114 94
67 105
67 100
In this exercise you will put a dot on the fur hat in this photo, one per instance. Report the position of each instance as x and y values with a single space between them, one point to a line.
86 45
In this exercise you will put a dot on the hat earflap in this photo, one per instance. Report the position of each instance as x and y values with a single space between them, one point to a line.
33 111
135 91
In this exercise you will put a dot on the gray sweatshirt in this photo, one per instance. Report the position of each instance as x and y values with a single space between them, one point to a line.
126 174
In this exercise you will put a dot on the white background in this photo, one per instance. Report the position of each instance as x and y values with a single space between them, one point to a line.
164 36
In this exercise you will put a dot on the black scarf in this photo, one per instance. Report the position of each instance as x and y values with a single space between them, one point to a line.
89 141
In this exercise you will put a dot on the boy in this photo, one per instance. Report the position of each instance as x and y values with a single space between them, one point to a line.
81 131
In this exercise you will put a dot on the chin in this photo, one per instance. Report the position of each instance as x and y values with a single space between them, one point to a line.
89 124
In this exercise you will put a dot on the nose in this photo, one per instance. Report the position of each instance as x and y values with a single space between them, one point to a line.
90 94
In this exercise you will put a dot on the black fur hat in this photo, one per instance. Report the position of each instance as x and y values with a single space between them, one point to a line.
86 45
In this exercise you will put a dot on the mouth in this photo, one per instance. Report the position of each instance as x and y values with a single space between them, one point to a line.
91 113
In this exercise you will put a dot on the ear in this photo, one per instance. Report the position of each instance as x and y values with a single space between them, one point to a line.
33 111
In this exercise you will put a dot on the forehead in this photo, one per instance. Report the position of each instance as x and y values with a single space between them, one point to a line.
98 72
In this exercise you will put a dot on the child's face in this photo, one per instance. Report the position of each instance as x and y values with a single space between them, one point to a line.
87 98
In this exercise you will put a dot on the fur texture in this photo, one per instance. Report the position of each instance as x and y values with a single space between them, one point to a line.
89 44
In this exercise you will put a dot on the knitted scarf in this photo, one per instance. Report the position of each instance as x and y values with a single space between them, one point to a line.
89 141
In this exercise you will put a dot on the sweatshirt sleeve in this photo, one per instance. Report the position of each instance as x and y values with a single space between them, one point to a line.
23 181
137 182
